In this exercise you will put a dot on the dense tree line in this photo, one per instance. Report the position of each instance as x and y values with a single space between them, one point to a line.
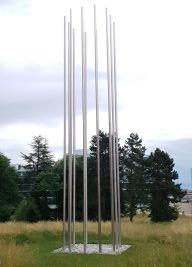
9 196
147 182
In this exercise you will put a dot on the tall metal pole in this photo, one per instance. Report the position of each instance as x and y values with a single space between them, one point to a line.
69 87
110 133
97 130
69 141
70 129
85 145
74 140
64 145
113 132
116 131
84 106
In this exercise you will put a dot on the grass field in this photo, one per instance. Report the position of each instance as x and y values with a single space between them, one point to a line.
153 245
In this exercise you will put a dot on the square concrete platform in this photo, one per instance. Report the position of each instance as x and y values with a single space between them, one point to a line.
93 248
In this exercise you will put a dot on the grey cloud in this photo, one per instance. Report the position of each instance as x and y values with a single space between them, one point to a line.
34 95
29 95
12 149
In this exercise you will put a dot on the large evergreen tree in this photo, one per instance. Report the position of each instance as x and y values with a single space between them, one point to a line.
40 159
39 164
162 187
104 173
8 188
132 156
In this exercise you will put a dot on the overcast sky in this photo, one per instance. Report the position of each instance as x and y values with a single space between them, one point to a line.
154 66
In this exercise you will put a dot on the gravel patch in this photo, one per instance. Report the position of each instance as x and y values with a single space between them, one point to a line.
93 248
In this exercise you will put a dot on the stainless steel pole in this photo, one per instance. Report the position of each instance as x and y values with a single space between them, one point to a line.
117 146
84 107
97 130
110 133
64 145
69 87
85 141
113 132
70 130
74 140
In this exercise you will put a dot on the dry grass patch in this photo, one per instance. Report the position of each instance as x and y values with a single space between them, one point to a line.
20 227
153 244
141 226
12 255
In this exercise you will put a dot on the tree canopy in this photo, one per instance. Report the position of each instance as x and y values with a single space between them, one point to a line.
164 191
8 188
147 182
40 159
132 157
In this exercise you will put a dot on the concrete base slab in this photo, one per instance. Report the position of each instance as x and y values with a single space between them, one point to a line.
93 248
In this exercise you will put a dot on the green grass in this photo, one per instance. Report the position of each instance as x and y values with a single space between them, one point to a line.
152 245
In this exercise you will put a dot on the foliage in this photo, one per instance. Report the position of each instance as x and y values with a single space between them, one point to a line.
45 193
142 181
40 159
162 187
8 188
58 171
39 164
132 156
27 211
104 174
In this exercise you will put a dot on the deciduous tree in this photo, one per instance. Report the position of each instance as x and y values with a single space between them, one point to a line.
8 188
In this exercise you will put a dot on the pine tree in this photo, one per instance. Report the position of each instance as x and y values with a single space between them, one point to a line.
39 164
104 174
133 173
40 159
162 187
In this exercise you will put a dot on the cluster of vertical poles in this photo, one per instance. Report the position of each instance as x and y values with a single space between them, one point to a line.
69 125
113 133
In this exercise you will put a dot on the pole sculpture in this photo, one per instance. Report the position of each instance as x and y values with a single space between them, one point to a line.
70 133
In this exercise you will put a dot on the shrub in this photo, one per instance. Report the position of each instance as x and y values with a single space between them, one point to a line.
27 211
